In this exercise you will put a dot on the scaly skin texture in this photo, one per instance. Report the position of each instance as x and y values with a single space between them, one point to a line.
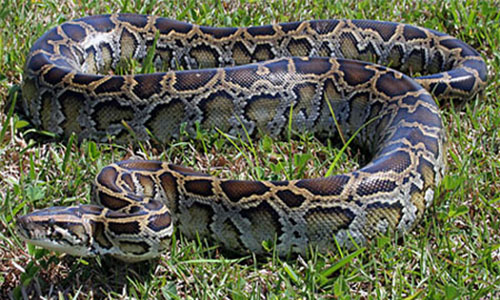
139 202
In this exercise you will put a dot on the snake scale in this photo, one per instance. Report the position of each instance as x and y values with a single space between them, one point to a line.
250 79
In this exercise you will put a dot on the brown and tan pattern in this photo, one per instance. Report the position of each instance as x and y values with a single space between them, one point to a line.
252 79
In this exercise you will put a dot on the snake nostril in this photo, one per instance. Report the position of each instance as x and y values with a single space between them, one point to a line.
22 222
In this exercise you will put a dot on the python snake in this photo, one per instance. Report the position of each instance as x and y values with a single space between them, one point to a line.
245 79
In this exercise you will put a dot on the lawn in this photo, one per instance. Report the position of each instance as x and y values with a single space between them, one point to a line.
453 253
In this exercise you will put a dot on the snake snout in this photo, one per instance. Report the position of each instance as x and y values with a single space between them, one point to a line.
31 229
22 227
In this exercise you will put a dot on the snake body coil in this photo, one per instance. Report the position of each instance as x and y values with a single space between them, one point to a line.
252 79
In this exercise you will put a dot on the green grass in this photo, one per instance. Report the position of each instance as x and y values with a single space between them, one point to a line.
454 252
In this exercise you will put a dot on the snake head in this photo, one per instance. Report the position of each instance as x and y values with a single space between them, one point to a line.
61 229
89 230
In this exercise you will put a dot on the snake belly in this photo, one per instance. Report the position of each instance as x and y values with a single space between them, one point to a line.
245 80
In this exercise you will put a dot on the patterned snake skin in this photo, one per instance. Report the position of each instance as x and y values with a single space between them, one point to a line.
253 79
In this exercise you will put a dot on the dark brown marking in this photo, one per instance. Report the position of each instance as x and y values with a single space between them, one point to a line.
129 183
166 26
111 85
99 23
324 26
218 32
330 186
192 80
100 236
37 61
238 189
261 30
85 79
277 67
373 186
393 87
412 33
136 209
129 227
134 197
141 165
397 161
313 65
466 82
243 76
287 27
186 171
199 187
67 54
73 31
107 177
379 205
168 183
63 63
139 21
112 202
91 209
420 115
411 100
355 72
438 88
477 65
159 222
55 75
280 183
290 198
145 180
415 136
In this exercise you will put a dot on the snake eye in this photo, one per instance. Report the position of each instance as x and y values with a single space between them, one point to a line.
134 209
